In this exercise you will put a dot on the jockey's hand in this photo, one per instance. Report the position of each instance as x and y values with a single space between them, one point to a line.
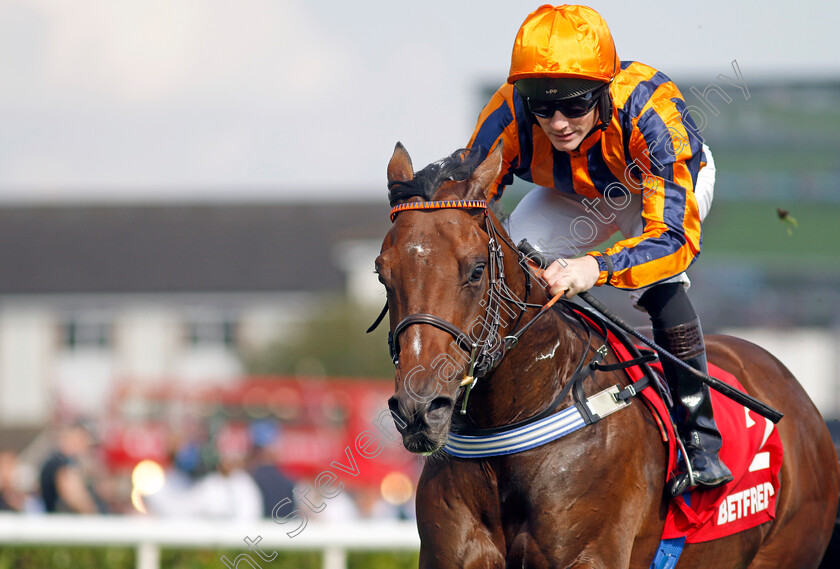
571 276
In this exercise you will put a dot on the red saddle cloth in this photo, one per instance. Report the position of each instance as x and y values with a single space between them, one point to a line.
752 449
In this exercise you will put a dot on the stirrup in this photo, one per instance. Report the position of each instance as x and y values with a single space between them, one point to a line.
691 479
681 483
684 481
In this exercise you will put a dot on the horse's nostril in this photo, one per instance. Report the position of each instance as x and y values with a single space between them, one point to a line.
394 407
439 409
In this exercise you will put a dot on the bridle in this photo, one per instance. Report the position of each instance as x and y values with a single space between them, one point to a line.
487 350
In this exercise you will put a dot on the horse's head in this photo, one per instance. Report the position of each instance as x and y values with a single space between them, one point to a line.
436 265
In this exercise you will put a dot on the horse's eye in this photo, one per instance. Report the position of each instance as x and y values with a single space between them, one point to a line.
477 273
380 271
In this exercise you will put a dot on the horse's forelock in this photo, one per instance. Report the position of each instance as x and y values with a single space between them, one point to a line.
456 167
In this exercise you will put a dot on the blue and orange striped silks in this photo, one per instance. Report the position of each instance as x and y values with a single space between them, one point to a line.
651 147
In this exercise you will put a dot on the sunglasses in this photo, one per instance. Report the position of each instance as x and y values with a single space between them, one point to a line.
572 108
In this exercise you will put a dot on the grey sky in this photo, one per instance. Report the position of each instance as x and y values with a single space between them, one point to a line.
186 99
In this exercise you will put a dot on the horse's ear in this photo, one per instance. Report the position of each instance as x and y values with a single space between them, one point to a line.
480 183
400 168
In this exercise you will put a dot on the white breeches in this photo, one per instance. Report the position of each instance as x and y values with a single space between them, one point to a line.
565 225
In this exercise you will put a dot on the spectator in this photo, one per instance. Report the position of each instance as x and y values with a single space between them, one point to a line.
274 485
64 486
11 498
173 499
228 493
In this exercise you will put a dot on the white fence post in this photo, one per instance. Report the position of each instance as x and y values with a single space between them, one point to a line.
335 558
148 556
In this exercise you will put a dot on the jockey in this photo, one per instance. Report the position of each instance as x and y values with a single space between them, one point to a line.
611 148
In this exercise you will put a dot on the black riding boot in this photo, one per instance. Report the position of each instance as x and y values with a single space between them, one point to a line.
677 329
693 408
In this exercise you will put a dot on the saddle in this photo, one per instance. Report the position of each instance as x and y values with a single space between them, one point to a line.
752 450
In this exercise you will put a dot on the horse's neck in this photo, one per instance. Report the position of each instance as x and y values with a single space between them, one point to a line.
530 376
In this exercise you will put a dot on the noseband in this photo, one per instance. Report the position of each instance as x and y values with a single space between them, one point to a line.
488 349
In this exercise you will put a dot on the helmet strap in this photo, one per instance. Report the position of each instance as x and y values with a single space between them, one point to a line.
605 108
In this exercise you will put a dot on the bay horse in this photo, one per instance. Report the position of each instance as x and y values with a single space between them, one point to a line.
455 286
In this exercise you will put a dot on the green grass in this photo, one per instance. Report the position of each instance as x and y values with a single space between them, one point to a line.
34 557
795 159
753 231
194 559
61 557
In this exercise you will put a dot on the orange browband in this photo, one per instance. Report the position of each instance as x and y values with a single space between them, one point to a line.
460 204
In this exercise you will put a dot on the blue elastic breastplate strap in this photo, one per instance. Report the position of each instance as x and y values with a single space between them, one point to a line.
670 549
516 440
668 553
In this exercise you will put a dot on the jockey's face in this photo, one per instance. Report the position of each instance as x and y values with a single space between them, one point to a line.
566 134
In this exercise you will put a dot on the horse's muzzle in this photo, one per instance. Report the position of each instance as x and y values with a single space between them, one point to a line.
424 425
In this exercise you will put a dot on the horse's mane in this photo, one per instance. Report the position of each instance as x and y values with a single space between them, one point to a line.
456 167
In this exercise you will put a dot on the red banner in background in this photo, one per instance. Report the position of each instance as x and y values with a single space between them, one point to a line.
306 424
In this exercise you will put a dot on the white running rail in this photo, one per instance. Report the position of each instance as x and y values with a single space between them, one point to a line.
148 535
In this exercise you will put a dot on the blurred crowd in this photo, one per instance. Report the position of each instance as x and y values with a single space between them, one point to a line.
200 479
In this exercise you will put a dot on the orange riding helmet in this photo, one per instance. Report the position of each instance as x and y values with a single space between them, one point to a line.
564 51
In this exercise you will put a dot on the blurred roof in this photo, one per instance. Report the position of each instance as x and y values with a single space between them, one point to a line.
15 439
255 247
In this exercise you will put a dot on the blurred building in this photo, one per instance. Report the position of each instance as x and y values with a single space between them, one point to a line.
95 294
92 295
